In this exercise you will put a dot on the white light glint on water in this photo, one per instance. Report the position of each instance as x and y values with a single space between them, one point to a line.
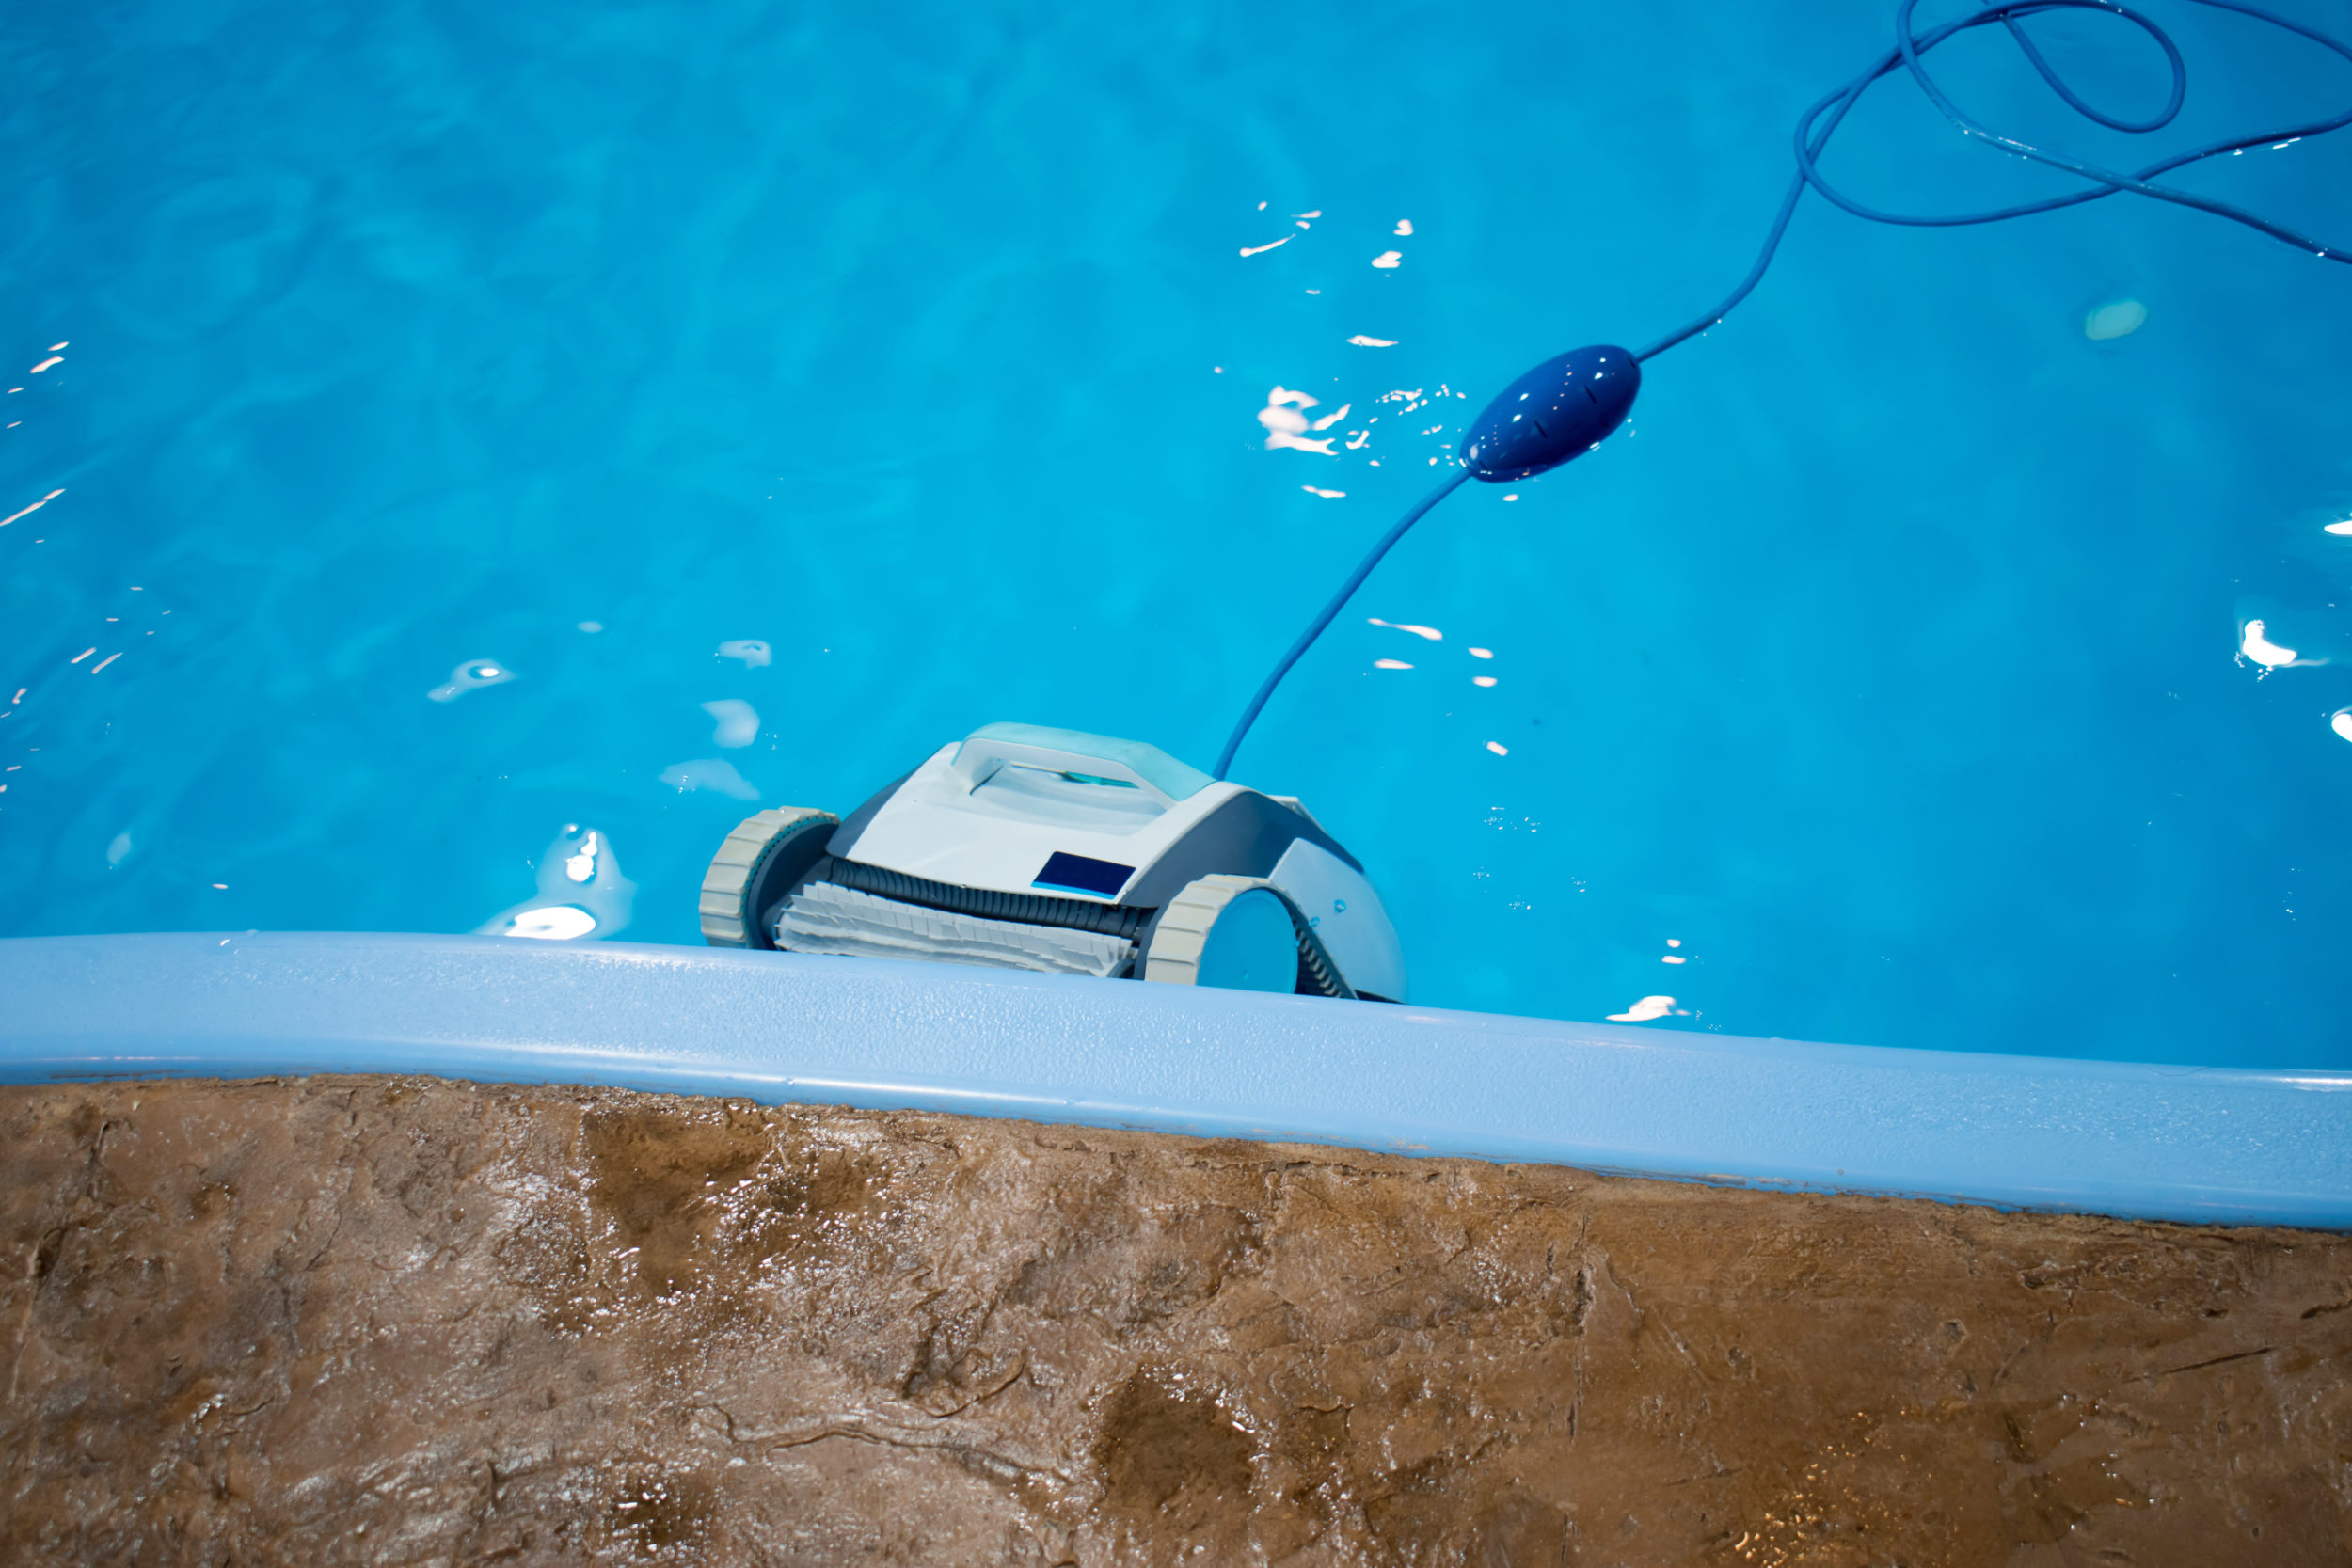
581 893
1645 1009
553 923
2342 526
1277 416
751 650
738 722
711 773
467 676
35 507
581 867
2119 319
1427 633
2340 722
2254 646
1285 421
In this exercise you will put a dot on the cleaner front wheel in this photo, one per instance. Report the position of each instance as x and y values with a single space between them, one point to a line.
758 865
1241 933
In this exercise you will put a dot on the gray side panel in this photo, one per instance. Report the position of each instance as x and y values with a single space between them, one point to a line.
845 837
1244 837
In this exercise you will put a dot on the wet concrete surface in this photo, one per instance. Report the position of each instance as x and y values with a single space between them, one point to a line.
358 1320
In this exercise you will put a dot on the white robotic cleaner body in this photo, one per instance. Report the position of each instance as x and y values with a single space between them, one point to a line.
1341 907
1063 852
977 817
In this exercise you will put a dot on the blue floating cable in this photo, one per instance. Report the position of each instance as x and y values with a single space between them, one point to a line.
1909 48
1586 401
1331 612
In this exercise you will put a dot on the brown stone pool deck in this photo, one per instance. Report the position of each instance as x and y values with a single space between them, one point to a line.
396 1320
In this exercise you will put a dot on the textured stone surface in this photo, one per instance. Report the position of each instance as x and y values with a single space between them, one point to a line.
374 1320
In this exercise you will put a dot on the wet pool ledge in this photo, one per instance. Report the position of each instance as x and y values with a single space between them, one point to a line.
2141 1141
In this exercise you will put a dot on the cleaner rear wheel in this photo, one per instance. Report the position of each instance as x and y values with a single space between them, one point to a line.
1239 933
758 865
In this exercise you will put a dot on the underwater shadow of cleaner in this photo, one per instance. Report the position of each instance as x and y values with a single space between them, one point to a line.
1063 852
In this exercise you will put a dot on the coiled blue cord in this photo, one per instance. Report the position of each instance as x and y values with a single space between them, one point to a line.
1819 123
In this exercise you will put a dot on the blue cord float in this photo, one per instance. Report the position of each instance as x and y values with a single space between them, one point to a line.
1510 441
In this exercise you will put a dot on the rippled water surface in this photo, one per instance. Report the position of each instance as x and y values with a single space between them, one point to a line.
479 439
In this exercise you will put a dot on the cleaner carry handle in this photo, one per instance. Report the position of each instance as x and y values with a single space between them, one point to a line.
1073 753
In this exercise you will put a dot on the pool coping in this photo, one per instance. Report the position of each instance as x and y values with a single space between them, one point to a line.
2132 1140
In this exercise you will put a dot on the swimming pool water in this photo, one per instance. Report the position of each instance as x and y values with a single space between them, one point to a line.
1890 666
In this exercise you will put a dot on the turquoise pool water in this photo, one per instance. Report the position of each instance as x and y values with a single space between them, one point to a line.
1892 665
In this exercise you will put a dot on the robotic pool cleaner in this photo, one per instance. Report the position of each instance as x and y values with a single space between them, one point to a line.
1050 849
1025 847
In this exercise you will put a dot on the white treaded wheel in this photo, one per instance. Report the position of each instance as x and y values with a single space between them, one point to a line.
1178 951
763 853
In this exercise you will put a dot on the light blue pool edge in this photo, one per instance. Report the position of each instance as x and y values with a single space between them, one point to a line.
2226 1146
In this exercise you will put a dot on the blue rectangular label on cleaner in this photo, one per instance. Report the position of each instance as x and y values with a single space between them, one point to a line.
1079 874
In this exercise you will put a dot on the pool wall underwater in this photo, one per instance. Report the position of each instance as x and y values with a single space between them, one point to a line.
2228 1146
